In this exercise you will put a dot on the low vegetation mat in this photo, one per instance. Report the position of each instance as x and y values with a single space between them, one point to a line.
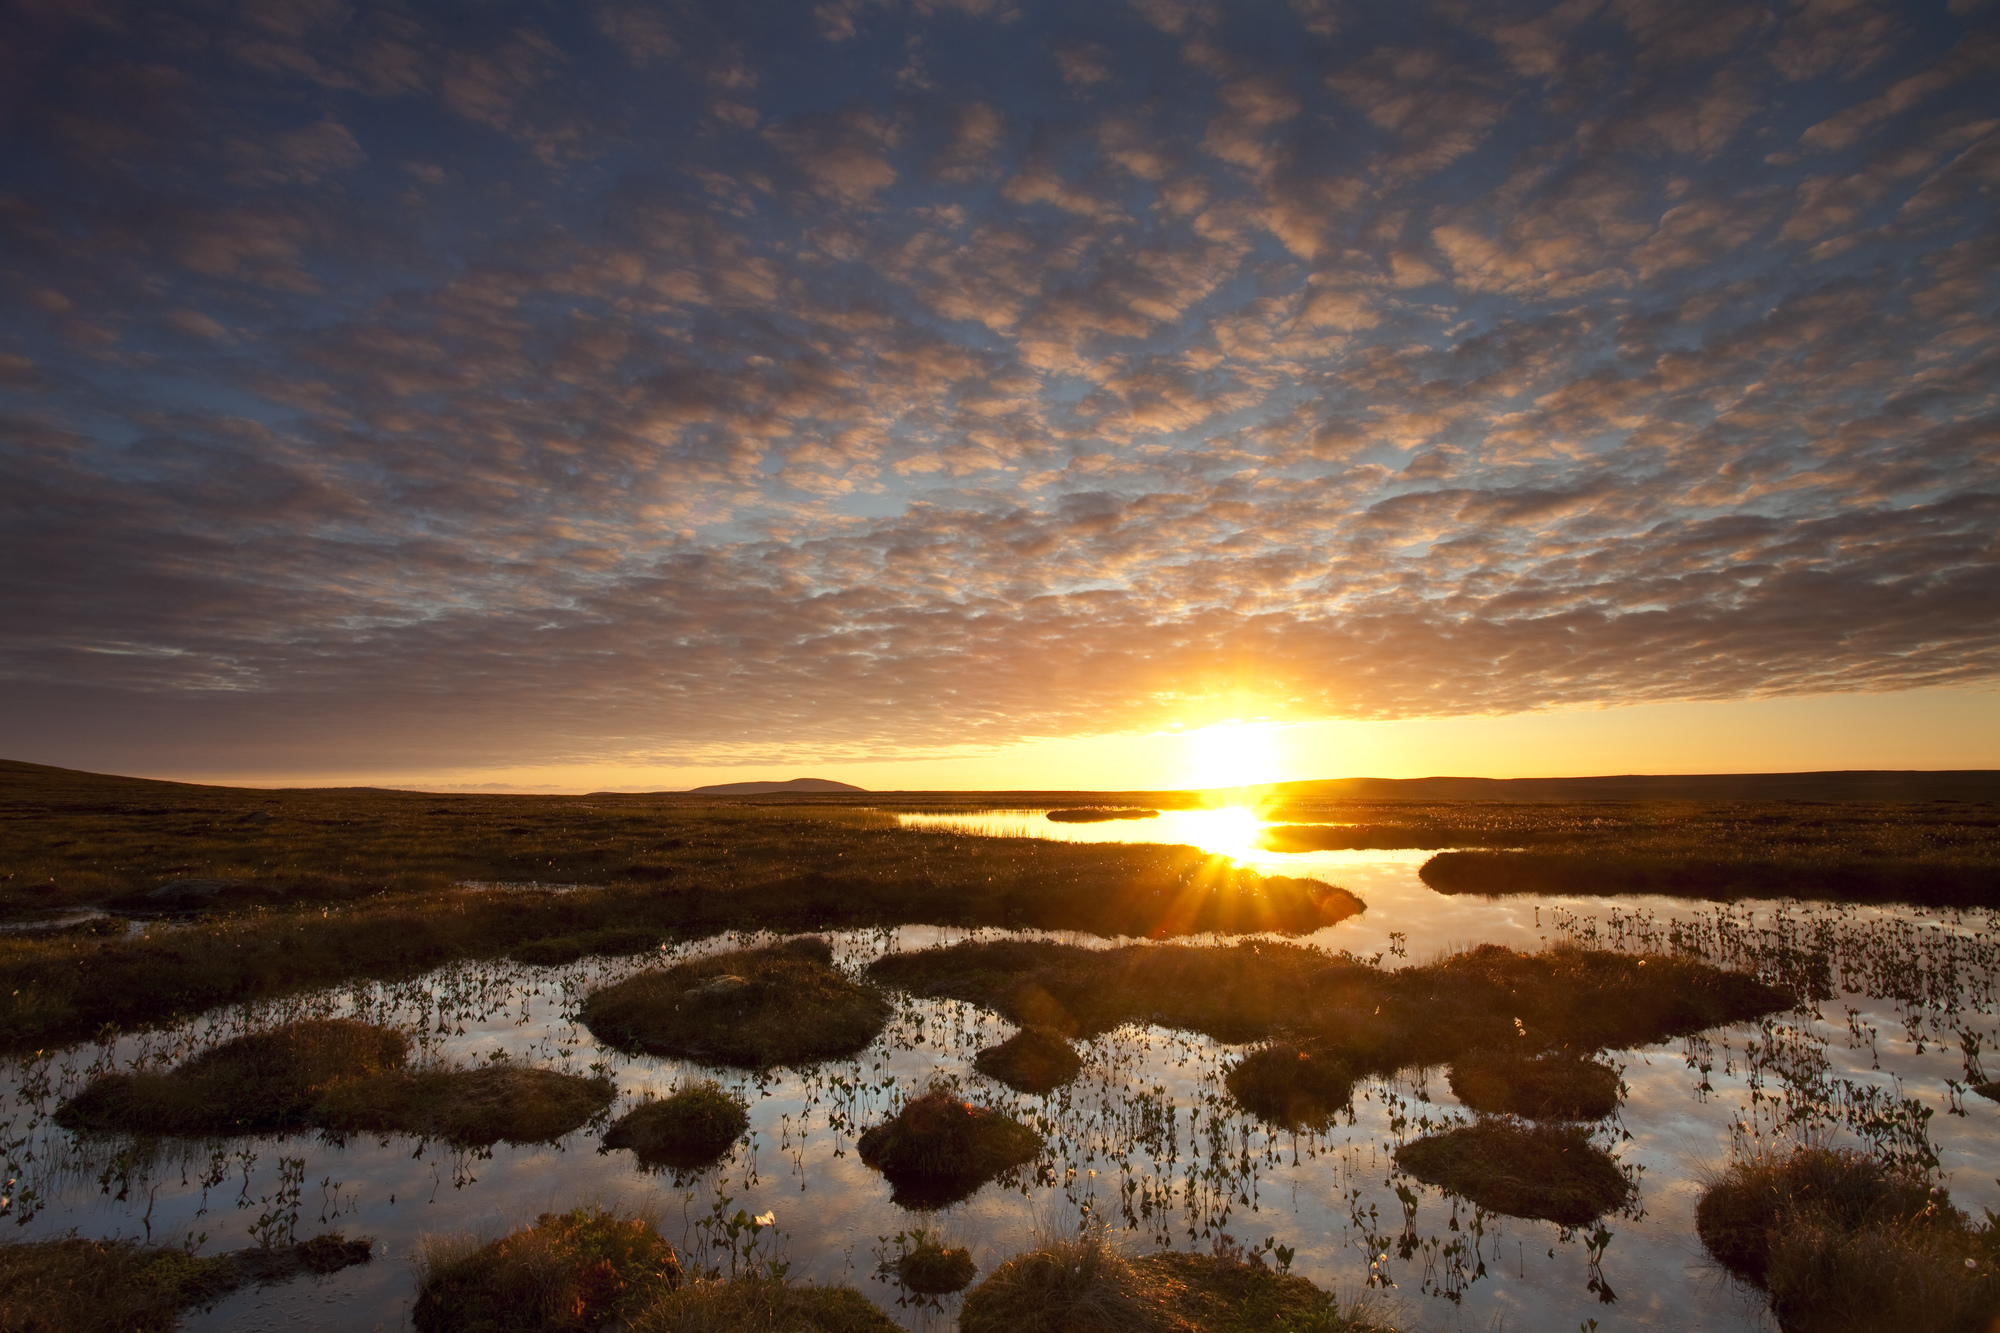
939 1148
261 1082
1338 1007
1552 1172
1074 1283
609 942
691 1127
784 1004
121 1286
1553 1085
1032 1060
762 1304
1842 1241
1290 1087
587 1268
338 1075
1597 870
1098 814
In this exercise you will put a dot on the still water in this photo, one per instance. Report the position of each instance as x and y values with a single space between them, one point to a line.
1145 1141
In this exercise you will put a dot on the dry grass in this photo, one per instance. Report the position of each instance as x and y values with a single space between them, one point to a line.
608 942
264 1081
761 1305
691 1127
109 1286
1845 1244
341 1076
495 1103
1338 1007
1289 1087
1553 1085
1087 1284
779 1005
584 1269
1548 1171
1032 1060
938 1149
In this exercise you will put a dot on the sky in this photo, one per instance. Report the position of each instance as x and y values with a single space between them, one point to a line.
969 393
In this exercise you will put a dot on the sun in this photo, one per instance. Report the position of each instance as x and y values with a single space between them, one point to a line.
1231 754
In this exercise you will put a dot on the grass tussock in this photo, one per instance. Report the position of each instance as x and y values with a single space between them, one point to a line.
1087 1284
121 1286
932 1268
1290 1087
938 1148
585 1269
261 1082
1552 1085
1548 1171
779 1005
607 942
1843 1242
691 1127
762 1304
1339 1007
1034 1060
341 1076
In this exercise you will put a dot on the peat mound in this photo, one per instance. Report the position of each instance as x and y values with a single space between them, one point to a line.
759 1303
1552 1085
1552 1172
1032 1060
690 1128
584 1269
932 1268
1290 1087
495 1103
783 1004
939 1149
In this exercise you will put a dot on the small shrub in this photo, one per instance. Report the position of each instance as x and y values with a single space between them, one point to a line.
779 1005
1290 1087
264 1081
1554 1085
691 1127
939 1148
1843 1241
1548 1171
583 1269
1035 1059
762 1304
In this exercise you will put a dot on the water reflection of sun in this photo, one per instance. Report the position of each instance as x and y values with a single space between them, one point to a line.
1230 830
1232 754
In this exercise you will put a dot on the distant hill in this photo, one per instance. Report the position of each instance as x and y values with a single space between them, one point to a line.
773 788
1840 785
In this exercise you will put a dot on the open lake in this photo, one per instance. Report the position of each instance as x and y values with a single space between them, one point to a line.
1146 1140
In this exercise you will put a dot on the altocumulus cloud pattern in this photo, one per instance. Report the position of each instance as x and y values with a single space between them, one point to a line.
649 382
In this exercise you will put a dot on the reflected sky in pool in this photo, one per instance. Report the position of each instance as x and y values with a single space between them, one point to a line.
1146 1140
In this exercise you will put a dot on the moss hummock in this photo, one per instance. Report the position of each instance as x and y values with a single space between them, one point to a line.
780 1005
691 1127
1290 1087
1032 1060
1554 1085
1552 1172
584 1269
939 1149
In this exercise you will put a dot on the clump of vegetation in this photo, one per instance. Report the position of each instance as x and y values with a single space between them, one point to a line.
1844 1241
939 1148
1552 1085
1358 837
342 1076
1035 1059
1069 1283
1099 814
584 1269
1290 1087
779 1005
762 1303
607 942
691 1127
264 1081
927 1266
1340 1007
121 1286
1548 1171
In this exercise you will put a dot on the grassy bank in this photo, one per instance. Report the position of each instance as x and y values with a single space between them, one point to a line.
1338 1007
1693 872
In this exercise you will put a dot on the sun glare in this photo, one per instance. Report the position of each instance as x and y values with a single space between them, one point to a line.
1232 754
